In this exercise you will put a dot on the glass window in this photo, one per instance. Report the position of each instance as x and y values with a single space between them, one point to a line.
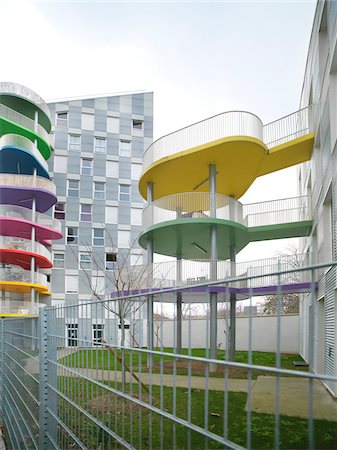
71 282
124 192
60 211
86 166
74 142
85 261
125 148
73 188
98 333
72 235
137 124
85 212
99 190
99 145
98 236
62 119
58 260
110 261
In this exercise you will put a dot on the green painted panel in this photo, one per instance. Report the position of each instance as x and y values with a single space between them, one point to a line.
7 126
280 231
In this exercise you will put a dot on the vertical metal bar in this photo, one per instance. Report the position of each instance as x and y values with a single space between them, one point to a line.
150 297
43 380
278 357
311 432
250 362
179 306
213 269
232 313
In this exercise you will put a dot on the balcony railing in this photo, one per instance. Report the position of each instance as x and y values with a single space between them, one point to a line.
27 181
198 204
26 245
19 275
24 213
23 142
232 123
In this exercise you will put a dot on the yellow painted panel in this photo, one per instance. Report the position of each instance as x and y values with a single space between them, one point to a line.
22 288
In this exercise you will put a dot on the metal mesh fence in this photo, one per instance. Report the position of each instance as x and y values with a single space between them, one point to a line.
104 375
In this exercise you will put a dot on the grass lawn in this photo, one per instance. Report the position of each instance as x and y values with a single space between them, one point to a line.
104 359
144 429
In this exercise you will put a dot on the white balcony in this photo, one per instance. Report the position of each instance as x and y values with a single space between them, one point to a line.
25 245
18 275
18 212
27 181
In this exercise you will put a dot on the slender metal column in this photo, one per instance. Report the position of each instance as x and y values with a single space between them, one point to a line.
179 307
149 301
213 298
232 311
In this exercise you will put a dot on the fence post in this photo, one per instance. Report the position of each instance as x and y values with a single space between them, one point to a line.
43 378
2 344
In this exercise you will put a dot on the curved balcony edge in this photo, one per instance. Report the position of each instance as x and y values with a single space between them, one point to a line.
22 228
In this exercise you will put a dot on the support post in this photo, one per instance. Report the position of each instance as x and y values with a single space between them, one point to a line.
232 311
179 308
213 298
149 301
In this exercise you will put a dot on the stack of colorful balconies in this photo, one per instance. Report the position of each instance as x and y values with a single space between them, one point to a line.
26 195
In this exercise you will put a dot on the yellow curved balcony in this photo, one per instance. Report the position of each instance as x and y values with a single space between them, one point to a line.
16 279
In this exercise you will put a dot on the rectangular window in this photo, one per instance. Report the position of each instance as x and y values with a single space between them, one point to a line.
112 124
85 212
137 124
98 285
86 166
60 211
112 169
71 282
124 192
85 261
124 239
73 188
60 164
98 236
62 119
99 190
74 142
125 148
87 121
58 260
111 214
99 145
136 259
110 261
72 235
136 170
136 216
97 333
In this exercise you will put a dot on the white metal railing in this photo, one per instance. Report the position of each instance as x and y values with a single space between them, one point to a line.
286 210
197 205
232 123
20 212
23 120
23 142
190 272
26 245
19 275
288 128
27 181
191 205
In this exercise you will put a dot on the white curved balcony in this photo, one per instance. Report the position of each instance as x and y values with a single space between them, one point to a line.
25 245
27 181
23 142
191 205
18 275
23 120
26 214
227 124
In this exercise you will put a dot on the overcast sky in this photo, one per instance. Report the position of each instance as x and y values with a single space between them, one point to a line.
199 57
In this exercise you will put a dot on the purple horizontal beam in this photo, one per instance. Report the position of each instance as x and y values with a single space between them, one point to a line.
23 196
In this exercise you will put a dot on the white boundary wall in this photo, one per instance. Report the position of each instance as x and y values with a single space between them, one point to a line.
264 333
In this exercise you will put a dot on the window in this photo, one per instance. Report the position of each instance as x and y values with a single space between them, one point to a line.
71 282
112 169
73 188
74 142
98 236
136 170
86 166
97 333
72 235
87 121
99 145
111 214
110 261
58 260
136 259
123 239
60 164
60 211
98 285
62 119
125 148
136 216
85 261
85 212
113 125
124 192
99 190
